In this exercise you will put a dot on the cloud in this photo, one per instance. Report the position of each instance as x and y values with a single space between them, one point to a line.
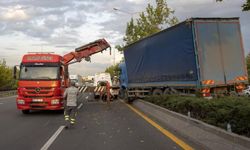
62 25
136 1
10 49
16 13
208 8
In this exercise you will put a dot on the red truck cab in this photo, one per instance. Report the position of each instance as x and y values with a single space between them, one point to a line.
43 77
41 82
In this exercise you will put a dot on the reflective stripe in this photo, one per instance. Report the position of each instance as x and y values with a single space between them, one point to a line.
72 119
95 89
80 89
241 78
205 91
72 122
103 88
85 89
66 119
208 82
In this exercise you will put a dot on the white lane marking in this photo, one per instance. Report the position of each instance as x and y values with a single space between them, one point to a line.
52 139
1 103
79 106
7 97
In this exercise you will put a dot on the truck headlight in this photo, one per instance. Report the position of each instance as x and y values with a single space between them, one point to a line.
20 101
55 102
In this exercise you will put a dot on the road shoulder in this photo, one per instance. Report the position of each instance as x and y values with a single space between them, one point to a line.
190 129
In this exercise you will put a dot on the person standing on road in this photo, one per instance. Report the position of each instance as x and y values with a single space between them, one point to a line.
70 104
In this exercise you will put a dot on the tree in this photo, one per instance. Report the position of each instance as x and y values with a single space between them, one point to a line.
152 20
114 70
6 80
245 7
248 65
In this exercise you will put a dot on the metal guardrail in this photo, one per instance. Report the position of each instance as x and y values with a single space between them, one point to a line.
8 93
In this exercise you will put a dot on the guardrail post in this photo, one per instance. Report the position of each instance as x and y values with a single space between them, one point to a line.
229 129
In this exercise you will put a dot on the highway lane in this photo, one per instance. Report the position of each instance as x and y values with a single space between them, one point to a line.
99 126
18 131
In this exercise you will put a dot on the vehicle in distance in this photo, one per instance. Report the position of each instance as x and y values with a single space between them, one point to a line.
77 79
103 78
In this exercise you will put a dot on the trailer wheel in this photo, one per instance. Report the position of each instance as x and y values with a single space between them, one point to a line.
233 94
167 91
157 92
25 111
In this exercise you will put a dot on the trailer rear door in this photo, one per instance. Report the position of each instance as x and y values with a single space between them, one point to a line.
232 51
220 50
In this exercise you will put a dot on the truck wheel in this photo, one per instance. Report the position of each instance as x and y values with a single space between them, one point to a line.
122 93
130 100
157 92
127 99
233 94
96 96
25 111
167 91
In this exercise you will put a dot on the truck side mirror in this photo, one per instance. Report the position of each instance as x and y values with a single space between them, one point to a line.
66 72
15 72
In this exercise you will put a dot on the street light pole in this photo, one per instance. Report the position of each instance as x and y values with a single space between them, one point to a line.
126 12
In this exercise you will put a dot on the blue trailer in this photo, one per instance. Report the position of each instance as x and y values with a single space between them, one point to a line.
204 55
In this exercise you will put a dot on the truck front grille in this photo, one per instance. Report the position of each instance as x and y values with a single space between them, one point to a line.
35 92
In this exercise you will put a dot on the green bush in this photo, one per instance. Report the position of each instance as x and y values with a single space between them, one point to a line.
217 111
6 80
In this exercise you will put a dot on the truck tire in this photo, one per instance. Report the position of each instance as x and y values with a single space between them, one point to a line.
157 92
115 97
25 111
96 96
127 99
122 93
170 91
167 91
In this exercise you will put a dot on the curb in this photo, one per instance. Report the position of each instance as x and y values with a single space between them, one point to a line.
235 138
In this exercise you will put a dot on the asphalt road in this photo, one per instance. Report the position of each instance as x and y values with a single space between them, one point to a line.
99 126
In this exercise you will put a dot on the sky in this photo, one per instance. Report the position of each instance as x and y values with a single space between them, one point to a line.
60 26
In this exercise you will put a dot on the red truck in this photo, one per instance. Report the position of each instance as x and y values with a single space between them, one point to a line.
44 76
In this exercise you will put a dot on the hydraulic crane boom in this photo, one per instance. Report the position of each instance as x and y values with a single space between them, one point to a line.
85 51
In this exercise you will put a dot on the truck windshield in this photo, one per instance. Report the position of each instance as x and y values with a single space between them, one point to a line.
39 73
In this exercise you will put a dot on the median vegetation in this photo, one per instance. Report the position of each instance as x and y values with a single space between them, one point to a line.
218 111
6 77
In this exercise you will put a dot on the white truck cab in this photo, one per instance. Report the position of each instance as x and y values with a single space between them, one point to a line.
77 79
103 77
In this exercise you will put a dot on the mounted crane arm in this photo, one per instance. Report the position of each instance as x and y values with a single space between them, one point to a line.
85 51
